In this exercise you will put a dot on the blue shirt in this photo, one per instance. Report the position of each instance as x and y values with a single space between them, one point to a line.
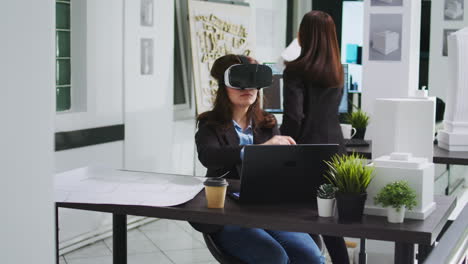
245 136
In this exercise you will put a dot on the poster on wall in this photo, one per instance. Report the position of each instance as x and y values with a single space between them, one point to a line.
146 13
447 32
385 37
386 2
146 58
216 29
454 10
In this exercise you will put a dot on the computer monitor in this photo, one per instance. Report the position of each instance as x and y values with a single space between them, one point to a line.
344 104
273 95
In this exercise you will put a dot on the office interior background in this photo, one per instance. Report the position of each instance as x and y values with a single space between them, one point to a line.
108 110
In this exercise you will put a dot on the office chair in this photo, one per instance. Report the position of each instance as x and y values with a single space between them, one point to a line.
224 258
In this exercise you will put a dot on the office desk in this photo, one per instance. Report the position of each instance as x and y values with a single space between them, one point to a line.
288 217
441 156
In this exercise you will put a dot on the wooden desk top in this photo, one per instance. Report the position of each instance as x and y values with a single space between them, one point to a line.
441 156
291 217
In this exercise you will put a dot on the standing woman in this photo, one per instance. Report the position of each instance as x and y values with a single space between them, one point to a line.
313 87
235 121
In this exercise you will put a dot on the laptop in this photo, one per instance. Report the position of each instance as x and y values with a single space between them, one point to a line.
282 173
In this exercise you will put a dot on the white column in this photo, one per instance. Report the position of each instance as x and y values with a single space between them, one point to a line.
27 109
454 137
395 72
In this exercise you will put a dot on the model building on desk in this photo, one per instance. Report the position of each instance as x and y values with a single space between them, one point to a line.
385 42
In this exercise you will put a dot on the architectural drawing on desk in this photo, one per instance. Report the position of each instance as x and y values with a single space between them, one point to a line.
385 37
217 29
146 61
146 13
453 10
386 2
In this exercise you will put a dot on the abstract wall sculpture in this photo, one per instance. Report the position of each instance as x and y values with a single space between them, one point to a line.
454 137
216 29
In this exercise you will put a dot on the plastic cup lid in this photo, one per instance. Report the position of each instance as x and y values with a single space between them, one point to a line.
216 182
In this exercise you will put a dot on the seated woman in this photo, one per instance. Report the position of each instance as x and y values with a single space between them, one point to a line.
237 120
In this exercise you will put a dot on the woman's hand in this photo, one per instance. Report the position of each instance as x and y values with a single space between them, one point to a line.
280 140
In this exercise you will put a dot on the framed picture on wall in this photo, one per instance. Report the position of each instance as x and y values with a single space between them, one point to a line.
454 10
386 2
146 13
385 37
446 33
146 58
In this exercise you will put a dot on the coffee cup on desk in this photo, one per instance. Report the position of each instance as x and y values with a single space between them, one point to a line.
348 131
215 190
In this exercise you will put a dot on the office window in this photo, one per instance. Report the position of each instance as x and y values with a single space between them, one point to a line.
62 56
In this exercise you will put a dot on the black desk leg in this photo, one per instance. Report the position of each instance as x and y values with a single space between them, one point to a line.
119 238
423 252
404 253
362 252
56 235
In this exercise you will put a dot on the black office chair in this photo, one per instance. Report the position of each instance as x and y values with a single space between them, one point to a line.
224 258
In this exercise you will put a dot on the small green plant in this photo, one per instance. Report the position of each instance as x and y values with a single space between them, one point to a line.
349 174
358 119
326 191
396 195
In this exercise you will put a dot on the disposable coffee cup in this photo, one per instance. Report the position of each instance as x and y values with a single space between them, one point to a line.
215 190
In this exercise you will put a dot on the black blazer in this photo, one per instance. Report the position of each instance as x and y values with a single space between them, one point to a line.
219 151
310 112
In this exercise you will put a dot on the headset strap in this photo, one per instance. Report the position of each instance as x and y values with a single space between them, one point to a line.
243 59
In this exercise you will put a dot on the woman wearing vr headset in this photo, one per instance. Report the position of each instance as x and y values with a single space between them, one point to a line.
313 87
237 120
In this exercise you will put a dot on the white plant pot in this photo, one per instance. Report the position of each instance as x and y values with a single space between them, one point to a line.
396 217
326 207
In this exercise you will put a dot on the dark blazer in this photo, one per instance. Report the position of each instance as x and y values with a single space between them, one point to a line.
310 112
219 151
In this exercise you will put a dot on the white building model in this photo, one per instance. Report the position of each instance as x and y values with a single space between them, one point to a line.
385 42
454 9
454 137
402 148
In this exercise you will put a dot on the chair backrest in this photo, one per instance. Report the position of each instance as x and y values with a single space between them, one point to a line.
218 254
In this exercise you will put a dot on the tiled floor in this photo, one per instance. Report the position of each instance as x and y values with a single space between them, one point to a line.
162 241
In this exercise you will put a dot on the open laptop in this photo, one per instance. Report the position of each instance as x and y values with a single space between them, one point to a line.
282 173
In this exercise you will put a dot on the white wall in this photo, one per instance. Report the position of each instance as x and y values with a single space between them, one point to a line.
97 100
27 105
438 64
153 140
391 79
99 61
269 17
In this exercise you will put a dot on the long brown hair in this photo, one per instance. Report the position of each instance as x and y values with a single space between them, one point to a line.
319 61
221 115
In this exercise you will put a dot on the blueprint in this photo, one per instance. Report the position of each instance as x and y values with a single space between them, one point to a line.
111 186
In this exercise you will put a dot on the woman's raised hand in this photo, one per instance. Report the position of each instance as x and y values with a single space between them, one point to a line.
280 140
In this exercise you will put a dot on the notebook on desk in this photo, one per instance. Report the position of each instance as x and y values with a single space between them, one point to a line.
282 173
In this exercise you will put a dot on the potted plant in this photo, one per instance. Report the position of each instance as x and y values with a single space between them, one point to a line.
359 120
397 196
326 200
350 176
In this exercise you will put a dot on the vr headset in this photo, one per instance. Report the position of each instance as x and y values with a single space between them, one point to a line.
248 76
